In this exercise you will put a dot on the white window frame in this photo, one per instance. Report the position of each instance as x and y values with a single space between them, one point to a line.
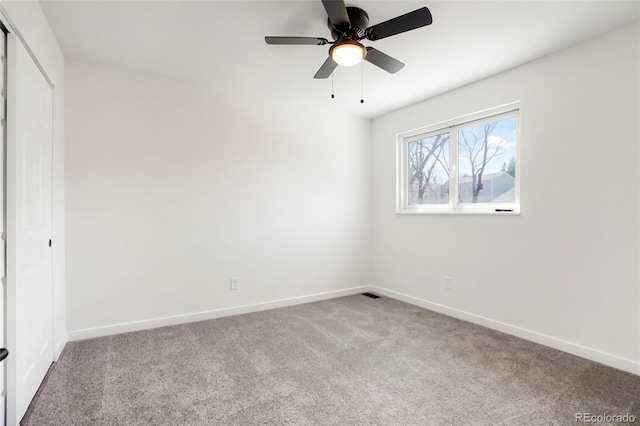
452 126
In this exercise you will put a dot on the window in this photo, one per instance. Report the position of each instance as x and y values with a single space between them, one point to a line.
466 165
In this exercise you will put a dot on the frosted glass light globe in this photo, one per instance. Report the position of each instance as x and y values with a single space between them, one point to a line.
347 53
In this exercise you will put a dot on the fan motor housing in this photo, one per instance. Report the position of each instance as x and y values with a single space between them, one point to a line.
359 23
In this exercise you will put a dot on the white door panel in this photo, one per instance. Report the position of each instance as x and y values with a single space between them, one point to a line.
29 284
3 343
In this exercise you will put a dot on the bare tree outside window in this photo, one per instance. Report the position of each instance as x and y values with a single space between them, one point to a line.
481 151
429 170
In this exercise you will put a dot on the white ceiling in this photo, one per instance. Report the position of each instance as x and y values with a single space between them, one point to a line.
221 43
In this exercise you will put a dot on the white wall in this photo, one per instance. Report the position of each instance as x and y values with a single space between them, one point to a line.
173 189
29 21
565 272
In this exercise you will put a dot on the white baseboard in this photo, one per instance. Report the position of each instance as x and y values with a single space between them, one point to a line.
57 351
611 360
553 342
89 333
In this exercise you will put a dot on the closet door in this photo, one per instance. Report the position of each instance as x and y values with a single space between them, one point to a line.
29 271
3 104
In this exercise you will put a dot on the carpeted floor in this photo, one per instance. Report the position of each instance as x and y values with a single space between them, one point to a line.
346 361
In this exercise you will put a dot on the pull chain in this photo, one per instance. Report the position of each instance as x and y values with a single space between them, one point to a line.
361 82
332 95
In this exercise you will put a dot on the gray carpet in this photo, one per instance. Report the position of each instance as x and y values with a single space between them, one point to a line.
351 360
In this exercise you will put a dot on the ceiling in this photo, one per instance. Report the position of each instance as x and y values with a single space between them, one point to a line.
221 43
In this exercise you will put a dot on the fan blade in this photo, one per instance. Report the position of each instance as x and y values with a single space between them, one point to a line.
407 22
383 60
326 69
296 40
337 12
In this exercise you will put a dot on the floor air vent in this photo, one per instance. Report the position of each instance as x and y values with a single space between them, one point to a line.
371 295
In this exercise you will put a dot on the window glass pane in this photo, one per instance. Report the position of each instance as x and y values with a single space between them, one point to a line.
429 170
486 162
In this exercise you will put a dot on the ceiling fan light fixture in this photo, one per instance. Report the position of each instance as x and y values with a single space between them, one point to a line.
347 53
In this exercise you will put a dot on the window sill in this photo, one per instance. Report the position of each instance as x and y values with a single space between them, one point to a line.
501 211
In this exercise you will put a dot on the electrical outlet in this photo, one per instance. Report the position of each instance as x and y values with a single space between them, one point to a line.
448 282
235 283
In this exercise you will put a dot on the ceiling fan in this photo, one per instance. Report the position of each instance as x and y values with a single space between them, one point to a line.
348 27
